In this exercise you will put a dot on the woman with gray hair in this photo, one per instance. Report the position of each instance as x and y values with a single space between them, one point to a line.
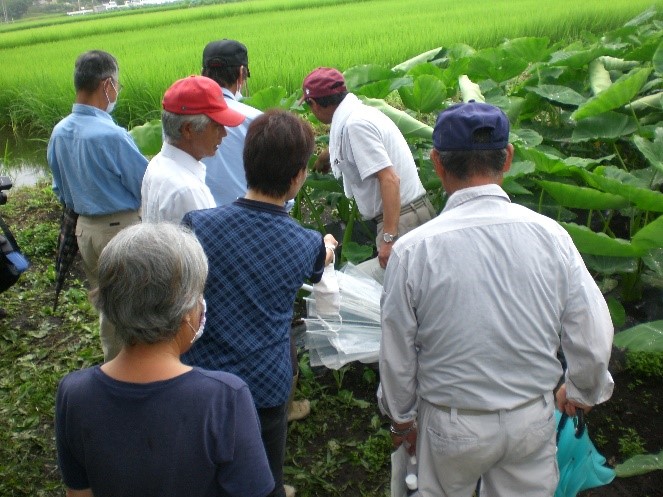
144 423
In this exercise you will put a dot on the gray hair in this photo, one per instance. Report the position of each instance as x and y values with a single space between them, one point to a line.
150 276
92 68
172 124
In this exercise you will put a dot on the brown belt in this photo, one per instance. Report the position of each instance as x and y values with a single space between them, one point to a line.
409 207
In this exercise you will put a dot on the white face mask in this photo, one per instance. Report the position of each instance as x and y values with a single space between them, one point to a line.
111 105
201 327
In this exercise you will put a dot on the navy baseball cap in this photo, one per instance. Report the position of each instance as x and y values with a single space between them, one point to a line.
455 127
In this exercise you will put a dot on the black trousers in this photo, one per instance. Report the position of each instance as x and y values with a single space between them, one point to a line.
273 429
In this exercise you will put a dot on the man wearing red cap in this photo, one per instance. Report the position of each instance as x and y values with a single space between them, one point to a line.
194 118
369 151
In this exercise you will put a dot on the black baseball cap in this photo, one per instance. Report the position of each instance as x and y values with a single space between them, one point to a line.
230 53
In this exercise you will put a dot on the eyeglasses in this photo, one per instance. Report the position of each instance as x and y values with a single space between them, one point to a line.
117 88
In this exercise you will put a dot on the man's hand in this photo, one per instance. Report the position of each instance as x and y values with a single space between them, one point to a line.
568 406
404 433
384 253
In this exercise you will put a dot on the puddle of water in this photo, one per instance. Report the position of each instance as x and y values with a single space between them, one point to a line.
23 160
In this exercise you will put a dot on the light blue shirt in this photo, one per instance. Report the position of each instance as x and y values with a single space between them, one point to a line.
225 170
97 168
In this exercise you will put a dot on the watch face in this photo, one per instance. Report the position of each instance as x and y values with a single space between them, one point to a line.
388 238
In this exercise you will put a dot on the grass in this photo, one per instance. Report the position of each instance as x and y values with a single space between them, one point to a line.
37 347
286 39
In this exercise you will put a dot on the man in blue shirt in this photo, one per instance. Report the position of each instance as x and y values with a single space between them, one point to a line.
97 168
227 63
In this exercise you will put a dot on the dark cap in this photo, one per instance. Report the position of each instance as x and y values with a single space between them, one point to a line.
200 95
455 127
225 52
322 82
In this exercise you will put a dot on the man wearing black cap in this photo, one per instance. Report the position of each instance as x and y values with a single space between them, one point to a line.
227 63
475 306
371 154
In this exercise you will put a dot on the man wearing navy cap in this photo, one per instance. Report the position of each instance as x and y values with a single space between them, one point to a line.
376 163
476 305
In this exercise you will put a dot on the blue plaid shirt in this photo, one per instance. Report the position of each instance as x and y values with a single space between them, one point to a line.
258 259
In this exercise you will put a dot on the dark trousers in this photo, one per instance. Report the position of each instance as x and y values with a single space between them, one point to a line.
274 427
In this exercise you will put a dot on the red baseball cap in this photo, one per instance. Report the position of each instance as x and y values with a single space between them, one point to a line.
200 95
322 82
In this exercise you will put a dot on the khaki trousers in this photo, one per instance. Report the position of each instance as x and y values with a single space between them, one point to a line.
412 216
93 234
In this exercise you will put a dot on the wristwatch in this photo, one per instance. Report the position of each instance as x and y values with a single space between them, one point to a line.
388 237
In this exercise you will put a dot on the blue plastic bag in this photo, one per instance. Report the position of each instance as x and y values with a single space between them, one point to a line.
580 464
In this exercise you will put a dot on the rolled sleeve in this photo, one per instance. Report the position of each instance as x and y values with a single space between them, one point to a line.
398 354
587 334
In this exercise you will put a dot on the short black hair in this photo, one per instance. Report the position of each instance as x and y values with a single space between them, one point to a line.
277 147
463 164
92 68
329 100
224 75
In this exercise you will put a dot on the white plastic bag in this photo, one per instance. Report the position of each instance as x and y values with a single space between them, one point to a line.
354 333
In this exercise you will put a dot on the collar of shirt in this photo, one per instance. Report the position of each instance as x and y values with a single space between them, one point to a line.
91 110
228 94
184 160
466 194
261 206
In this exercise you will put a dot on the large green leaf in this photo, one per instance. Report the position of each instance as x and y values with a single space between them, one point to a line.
557 93
266 98
409 126
495 64
617 311
427 94
358 76
651 236
643 198
529 49
545 163
525 136
578 59
645 337
589 242
620 93
325 183
607 126
649 102
434 54
599 77
653 151
580 197
356 253
658 59
639 465
469 90
606 264
148 137
380 89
